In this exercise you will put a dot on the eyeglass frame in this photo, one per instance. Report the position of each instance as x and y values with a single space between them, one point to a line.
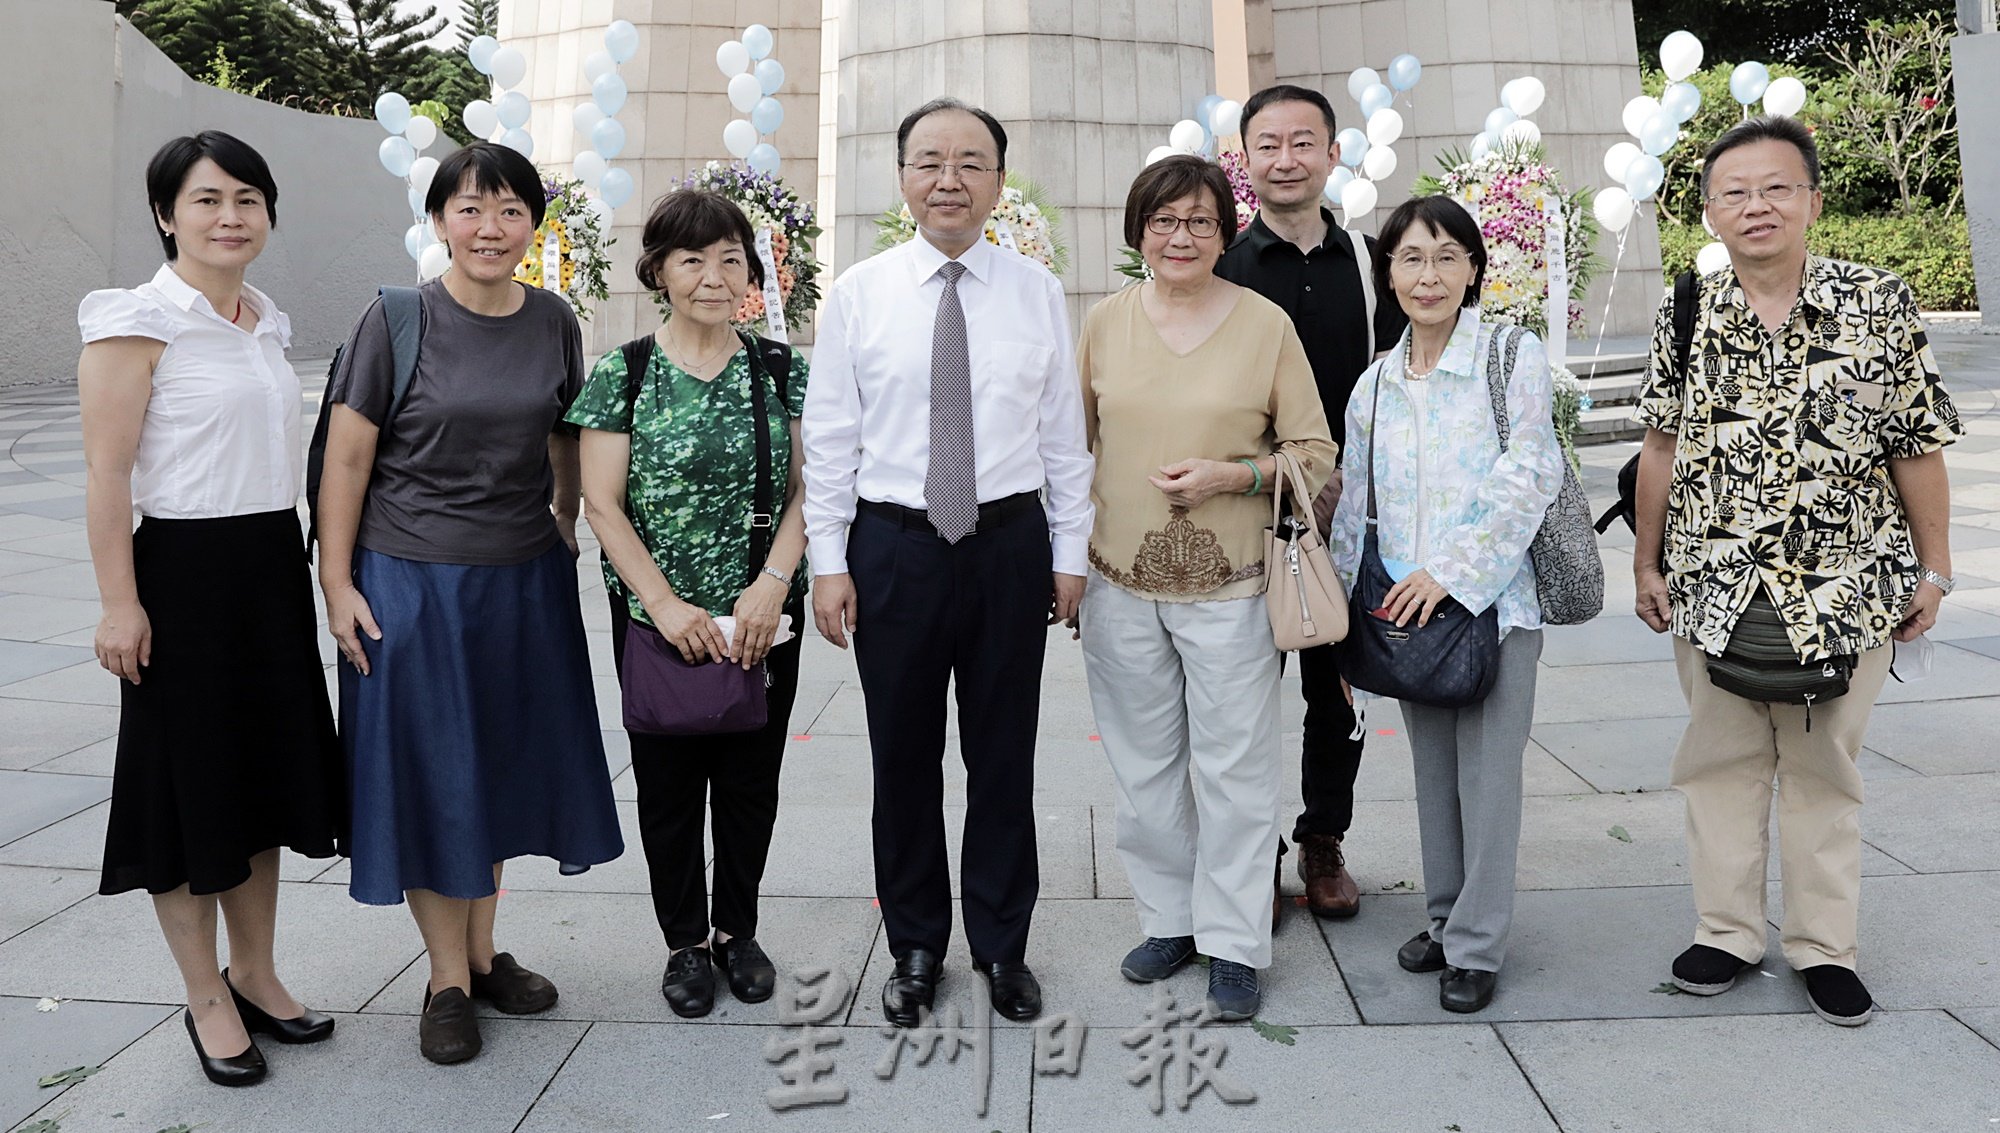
955 166
1430 259
1762 194
1180 222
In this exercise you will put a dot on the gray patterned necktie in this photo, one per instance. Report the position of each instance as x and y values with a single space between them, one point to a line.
951 487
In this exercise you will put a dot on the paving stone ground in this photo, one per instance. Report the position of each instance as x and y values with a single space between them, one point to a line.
1581 1037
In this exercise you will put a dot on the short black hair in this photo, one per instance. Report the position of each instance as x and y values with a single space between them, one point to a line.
492 168
1168 180
940 104
1286 92
168 172
1441 216
1764 128
692 218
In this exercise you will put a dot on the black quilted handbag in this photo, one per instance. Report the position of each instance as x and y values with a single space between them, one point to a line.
1450 662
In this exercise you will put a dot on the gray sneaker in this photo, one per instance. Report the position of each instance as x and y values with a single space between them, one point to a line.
1157 958
1232 990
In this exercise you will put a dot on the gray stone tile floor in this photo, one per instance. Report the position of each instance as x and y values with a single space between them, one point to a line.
1582 1036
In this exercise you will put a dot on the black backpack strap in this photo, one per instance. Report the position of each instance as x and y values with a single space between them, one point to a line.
403 307
638 356
762 521
777 366
1687 302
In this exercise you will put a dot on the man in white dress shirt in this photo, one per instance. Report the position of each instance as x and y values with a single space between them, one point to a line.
943 401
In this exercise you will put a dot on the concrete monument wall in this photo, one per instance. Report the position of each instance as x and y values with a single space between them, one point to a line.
1976 76
73 214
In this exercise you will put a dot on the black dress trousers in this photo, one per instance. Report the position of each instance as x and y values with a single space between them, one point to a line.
1330 751
930 613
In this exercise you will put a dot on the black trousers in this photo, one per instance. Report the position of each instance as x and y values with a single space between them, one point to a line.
736 775
930 612
1331 751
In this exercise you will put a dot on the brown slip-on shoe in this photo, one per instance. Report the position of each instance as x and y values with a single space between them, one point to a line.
512 989
1330 889
449 1030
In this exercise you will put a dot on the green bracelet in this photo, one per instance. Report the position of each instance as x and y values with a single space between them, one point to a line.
1256 485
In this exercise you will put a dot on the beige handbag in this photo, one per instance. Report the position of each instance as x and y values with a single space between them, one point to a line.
1303 594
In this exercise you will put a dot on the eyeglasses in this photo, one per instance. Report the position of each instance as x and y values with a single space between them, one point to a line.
1199 227
1737 198
934 170
1446 260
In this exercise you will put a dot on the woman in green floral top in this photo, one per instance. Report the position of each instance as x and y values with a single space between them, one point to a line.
669 486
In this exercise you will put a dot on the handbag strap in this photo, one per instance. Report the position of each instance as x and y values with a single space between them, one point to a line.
1374 410
1497 373
761 519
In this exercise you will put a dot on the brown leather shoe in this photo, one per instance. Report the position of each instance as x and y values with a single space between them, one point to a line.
1330 889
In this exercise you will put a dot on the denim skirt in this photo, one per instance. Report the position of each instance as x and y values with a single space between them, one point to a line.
474 737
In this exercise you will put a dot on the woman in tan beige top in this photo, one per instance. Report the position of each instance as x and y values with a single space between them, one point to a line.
1190 383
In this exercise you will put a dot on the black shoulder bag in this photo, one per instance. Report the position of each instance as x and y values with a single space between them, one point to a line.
1687 297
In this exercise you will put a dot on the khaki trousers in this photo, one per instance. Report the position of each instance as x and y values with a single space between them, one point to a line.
1731 750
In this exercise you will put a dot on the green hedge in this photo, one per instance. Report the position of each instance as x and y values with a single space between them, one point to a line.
1932 252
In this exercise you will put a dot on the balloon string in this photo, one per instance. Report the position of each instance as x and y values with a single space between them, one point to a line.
1609 292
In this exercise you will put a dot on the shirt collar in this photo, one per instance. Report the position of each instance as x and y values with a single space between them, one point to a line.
926 259
1460 353
1817 288
184 295
1260 239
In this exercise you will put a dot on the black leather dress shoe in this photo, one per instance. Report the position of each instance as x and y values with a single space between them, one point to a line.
309 1027
912 987
752 976
511 988
1017 995
1421 954
246 1069
1465 990
689 984
449 1030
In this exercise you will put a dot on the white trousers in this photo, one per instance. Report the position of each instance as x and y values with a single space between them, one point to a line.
1186 697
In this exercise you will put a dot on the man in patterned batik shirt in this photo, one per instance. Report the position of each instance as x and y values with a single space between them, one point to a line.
1798 460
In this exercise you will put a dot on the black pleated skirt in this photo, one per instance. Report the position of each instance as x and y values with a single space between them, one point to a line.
226 747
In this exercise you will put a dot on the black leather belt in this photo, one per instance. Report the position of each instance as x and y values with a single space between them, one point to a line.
992 513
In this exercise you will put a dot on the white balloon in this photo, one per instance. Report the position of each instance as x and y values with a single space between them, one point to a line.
1360 81
1784 97
739 138
1498 119
480 51
396 155
621 39
1638 112
416 199
1339 179
1380 163
1359 197
596 65
1159 152
602 212
1680 55
589 167
608 138
1187 136
1384 127
609 94
764 158
1481 146
1525 95
1613 208
1522 132
415 240
616 187
1226 118
1618 159
512 109
758 41
509 67
519 141
585 116
421 131
433 261
1713 257
770 75
392 111
422 171
744 92
731 59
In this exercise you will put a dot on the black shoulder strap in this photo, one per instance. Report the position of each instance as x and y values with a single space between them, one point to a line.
762 521
404 308
1687 302
638 355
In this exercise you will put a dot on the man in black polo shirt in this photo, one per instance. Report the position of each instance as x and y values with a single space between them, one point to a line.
1296 256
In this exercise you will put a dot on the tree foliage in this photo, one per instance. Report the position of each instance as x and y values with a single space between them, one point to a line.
1774 31
364 47
1893 109
256 44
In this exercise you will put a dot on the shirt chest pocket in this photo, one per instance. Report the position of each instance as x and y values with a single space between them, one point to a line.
1008 377
1844 414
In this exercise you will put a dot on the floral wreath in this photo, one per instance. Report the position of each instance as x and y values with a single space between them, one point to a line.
770 206
1236 167
582 246
1024 217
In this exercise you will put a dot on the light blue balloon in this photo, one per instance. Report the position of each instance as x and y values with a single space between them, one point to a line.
1404 71
1644 176
392 110
764 158
1376 97
480 51
767 115
757 40
1659 133
1353 146
608 138
1681 100
397 155
415 241
1498 119
621 39
608 92
1748 82
1206 107
770 75
616 188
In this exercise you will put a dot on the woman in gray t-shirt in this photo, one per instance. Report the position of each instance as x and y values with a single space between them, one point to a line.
448 560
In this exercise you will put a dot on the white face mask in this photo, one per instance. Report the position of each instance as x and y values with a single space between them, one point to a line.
1912 659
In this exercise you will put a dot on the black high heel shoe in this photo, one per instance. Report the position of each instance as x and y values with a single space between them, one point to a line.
310 1027
246 1069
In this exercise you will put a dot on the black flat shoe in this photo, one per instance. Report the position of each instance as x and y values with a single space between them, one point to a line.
310 1027
449 1030
1465 990
246 1069
512 989
1421 954
1016 994
752 976
689 983
912 988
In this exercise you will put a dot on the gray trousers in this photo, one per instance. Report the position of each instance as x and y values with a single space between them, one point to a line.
1468 765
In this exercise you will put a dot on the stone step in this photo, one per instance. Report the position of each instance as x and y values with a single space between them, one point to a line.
1604 424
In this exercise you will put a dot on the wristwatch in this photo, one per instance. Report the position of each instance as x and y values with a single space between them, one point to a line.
1926 574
